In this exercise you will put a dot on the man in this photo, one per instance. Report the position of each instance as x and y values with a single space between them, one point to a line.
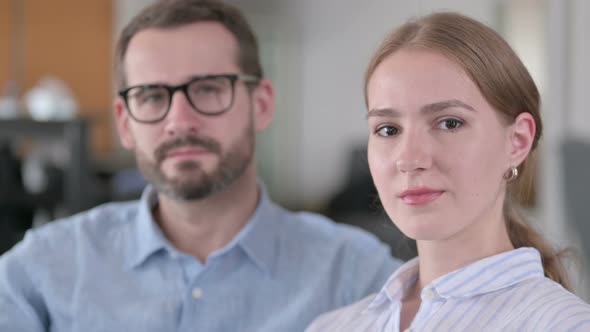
204 249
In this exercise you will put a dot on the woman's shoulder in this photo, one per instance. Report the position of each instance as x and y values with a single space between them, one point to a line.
340 319
547 306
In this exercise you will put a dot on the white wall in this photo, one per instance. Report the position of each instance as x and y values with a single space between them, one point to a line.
125 10
565 116
321 49
578 12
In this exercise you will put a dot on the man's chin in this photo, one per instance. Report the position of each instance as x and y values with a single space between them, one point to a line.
185 172
187 191
173 169
186 176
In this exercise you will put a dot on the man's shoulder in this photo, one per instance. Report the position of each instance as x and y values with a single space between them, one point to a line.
334 245
64 236
98 219
318 228
353 261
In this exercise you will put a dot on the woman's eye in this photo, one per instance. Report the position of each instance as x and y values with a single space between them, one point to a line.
449 124
386 131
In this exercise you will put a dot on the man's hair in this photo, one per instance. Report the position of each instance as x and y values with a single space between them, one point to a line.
175 13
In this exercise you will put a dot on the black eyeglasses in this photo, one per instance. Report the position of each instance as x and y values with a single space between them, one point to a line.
209 95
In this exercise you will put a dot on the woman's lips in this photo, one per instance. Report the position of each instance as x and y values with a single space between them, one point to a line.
420 196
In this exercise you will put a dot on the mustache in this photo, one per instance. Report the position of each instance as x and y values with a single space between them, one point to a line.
206 143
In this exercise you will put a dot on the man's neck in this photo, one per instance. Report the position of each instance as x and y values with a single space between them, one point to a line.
201 227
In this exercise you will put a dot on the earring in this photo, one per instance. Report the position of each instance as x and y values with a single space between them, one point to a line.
511 174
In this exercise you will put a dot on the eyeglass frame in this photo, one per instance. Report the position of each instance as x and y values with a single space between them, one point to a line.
172 89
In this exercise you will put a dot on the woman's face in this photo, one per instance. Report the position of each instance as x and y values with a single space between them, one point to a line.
437 150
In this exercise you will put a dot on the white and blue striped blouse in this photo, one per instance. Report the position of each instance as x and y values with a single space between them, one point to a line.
505 292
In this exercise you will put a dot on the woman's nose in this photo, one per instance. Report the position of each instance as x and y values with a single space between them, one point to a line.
414 153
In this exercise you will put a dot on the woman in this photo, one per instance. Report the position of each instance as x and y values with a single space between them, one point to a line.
454 117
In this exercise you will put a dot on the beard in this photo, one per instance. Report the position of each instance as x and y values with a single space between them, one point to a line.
193 182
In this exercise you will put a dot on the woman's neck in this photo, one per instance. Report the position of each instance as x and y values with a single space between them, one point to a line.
441 257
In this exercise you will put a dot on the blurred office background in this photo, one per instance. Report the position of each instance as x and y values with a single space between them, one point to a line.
313 156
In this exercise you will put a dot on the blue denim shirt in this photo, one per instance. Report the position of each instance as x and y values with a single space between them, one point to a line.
112 269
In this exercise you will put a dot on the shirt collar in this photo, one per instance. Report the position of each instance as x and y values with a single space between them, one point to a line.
484 276
148 237
257 239
491 274
397 285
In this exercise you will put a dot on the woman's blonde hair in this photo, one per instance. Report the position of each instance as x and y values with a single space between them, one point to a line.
506 85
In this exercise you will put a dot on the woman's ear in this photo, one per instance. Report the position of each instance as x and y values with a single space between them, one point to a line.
521 138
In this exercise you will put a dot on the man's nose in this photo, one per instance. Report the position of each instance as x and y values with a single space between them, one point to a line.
182 117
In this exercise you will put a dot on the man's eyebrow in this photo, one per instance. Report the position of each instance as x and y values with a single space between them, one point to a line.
429 108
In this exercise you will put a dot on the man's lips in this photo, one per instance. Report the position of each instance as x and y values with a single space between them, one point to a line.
186 152
186 147
420 196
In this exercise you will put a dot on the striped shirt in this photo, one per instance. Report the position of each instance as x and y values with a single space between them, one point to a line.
505 292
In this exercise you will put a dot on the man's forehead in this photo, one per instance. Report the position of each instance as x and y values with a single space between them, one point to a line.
181 52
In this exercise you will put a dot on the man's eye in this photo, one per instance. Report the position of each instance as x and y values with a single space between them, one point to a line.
205 89
148 96
386 131
152 97
208 89
449 124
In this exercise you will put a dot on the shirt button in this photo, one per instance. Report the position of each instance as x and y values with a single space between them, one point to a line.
430 294
197 293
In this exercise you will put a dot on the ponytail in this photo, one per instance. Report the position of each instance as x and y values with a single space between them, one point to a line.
523 235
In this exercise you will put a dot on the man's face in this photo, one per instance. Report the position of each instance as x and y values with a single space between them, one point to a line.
189 155
186 177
